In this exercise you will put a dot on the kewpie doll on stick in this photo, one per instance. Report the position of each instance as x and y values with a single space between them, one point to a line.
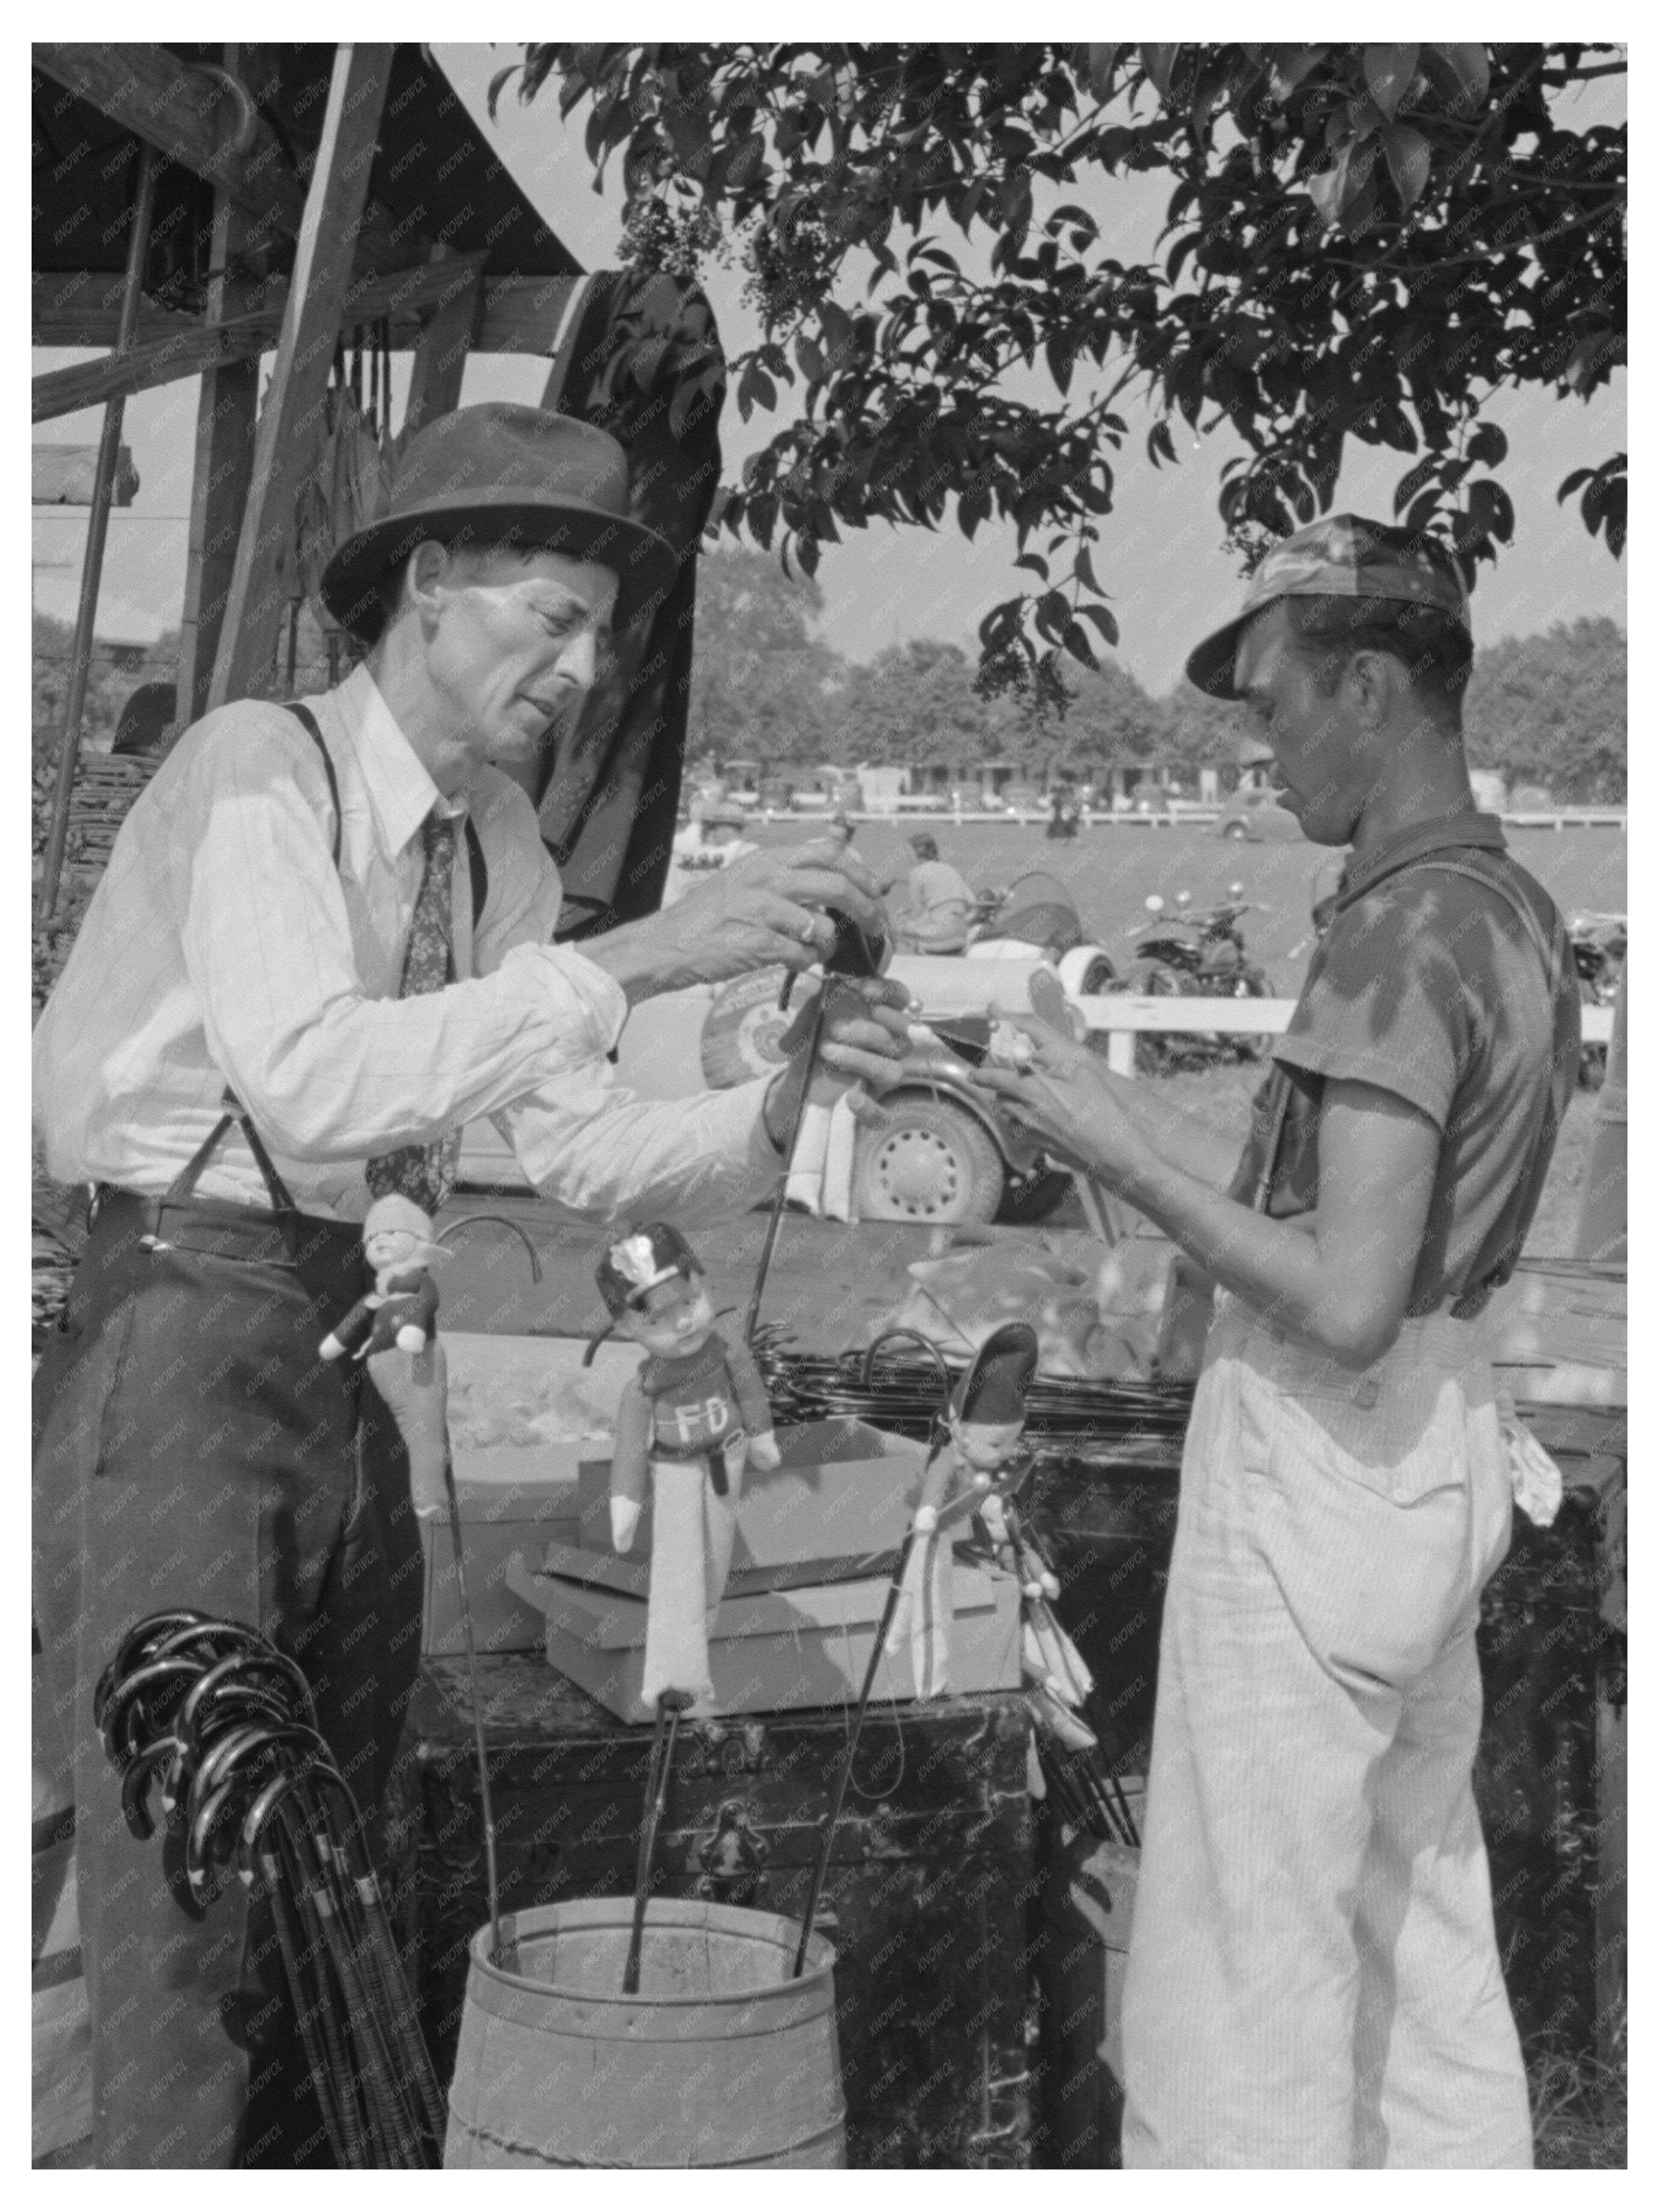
694 1413
402 1309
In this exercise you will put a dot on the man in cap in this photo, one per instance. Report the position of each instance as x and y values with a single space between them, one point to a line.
1313 1976
326 940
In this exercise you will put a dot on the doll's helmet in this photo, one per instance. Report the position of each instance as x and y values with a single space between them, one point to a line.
636 1263
994 1389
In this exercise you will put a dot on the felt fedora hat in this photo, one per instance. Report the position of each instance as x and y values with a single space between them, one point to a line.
508 476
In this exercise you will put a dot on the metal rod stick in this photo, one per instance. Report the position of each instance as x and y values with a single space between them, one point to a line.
484 1802
837 1795
669 1707
765 1267
91 567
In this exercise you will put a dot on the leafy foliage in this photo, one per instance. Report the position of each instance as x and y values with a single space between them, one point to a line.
761 679
1547 709
1363 241
1551 710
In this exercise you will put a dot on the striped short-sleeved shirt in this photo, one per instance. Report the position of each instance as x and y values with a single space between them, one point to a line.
1430 985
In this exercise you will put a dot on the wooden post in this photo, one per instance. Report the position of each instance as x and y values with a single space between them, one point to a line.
1604 1210
311 322
91 568
226 417
440 357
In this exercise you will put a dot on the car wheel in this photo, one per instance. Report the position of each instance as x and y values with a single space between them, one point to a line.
930 1161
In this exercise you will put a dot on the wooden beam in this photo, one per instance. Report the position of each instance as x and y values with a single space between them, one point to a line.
440 356
81 308
227 418
196 120
400 295
322 267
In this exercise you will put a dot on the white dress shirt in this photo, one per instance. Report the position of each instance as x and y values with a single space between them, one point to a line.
223 946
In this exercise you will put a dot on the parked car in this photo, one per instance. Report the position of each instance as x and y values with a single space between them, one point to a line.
1257 816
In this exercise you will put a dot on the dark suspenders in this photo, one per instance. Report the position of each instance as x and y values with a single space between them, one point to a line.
475 852
184 1184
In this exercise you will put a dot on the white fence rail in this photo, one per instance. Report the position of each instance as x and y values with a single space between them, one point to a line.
1121 1017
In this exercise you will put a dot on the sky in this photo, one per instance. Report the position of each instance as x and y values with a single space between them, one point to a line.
1161 560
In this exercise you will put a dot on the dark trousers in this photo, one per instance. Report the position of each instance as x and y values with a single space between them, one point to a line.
191 1448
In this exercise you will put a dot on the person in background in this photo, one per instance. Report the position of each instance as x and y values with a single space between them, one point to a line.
940 900
1313 1978
713 840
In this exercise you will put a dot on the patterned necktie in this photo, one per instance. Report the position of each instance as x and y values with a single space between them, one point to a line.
426 1173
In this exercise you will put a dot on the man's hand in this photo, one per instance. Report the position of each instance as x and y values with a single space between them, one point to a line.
1066 1099
769 908
864 1037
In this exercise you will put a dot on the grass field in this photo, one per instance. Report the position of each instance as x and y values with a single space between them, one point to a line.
1110 872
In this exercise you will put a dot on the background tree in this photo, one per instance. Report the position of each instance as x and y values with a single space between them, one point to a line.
915 704
761 679
1551 710
1363 240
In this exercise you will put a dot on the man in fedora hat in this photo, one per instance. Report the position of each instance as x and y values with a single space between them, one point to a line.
1313 1976
323 941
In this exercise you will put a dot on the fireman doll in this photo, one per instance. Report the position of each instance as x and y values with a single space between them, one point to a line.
694 1415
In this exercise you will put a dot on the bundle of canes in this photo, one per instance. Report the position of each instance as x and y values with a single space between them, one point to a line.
226 1724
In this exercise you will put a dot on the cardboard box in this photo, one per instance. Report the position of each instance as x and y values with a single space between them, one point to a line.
843 1489
774 1650
523 1414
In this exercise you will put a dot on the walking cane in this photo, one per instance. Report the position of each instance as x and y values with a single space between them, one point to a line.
670 1705
484 1802
838 1793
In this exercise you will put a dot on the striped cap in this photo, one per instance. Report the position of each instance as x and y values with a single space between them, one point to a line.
1344 557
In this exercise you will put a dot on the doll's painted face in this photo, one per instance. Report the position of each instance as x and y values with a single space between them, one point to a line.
677 1319
395 1248
986 1446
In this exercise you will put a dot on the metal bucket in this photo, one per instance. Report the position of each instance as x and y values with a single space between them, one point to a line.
721 2060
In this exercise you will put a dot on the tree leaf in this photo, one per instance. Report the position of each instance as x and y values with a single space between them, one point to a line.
1388 72
1076 640
1461 75
1103 621
1409 156
1486 445
501 77
1290 67
1159 62
1491 511
1415 479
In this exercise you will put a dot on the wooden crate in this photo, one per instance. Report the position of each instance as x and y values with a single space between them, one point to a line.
930 1888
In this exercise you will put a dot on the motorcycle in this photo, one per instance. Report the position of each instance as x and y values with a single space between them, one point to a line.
1197 952
1599 942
